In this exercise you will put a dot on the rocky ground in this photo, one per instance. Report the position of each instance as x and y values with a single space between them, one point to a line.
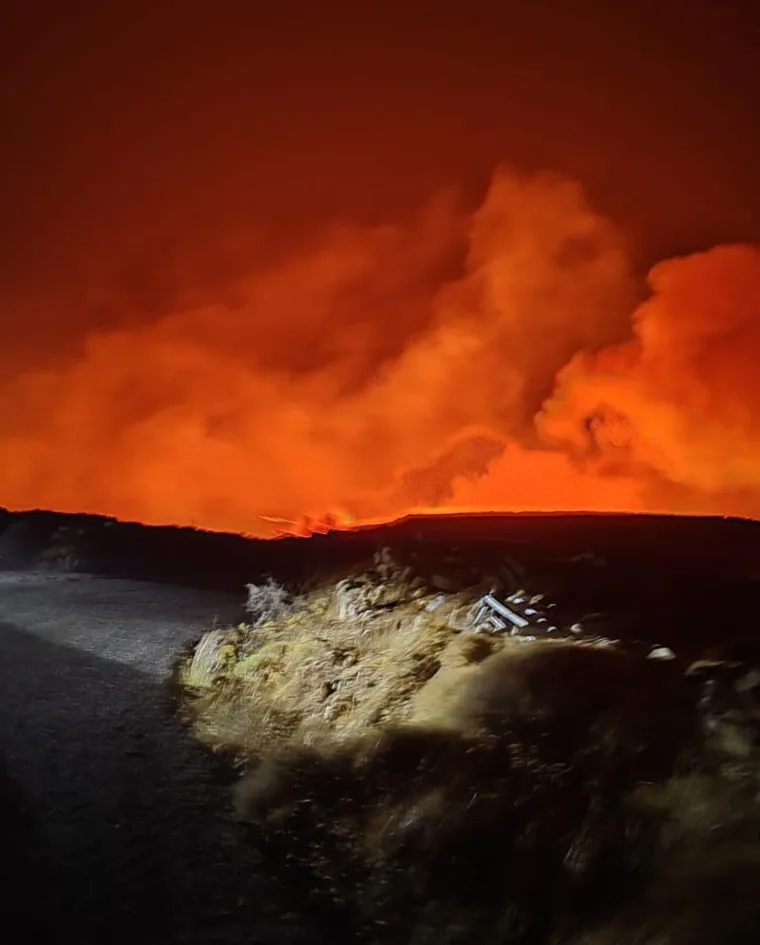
411 772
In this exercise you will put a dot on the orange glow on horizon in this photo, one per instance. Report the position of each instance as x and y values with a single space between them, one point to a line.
353 384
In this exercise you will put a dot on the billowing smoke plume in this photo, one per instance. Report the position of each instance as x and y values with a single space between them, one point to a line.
680 400
363 377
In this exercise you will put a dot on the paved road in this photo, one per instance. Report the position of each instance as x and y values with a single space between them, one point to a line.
126 831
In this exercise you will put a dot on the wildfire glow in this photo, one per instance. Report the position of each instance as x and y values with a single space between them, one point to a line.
354 381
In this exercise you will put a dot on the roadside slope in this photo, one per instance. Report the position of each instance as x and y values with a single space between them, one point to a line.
127 816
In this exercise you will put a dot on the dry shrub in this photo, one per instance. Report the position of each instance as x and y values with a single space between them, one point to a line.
414 785
564 697
309 675
480 831
704 874
268 602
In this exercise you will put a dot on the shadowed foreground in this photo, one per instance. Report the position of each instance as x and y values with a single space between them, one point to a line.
518 824
571 799
120 820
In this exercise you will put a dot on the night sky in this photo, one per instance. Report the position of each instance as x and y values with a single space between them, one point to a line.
148 146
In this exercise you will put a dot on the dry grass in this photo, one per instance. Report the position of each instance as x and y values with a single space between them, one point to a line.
423 836
416 784
346 659
309 673
428 835
703 877
487 827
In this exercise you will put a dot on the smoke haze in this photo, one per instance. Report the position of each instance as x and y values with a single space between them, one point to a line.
353 379
265 264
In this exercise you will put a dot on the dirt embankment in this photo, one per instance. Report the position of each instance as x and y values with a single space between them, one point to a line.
408 778
419 778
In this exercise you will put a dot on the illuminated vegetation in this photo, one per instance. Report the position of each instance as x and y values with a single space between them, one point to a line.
417 783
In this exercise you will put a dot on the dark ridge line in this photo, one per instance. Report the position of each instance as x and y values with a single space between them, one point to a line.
193 557
422 519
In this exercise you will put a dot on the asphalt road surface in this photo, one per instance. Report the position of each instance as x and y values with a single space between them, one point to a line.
117 826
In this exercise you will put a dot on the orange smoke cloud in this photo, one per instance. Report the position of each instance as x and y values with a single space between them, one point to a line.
365 377
677 405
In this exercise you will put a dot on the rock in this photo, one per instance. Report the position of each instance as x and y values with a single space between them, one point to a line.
461 618
442 583
383 556
387 595
352 601
435 603
661 653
